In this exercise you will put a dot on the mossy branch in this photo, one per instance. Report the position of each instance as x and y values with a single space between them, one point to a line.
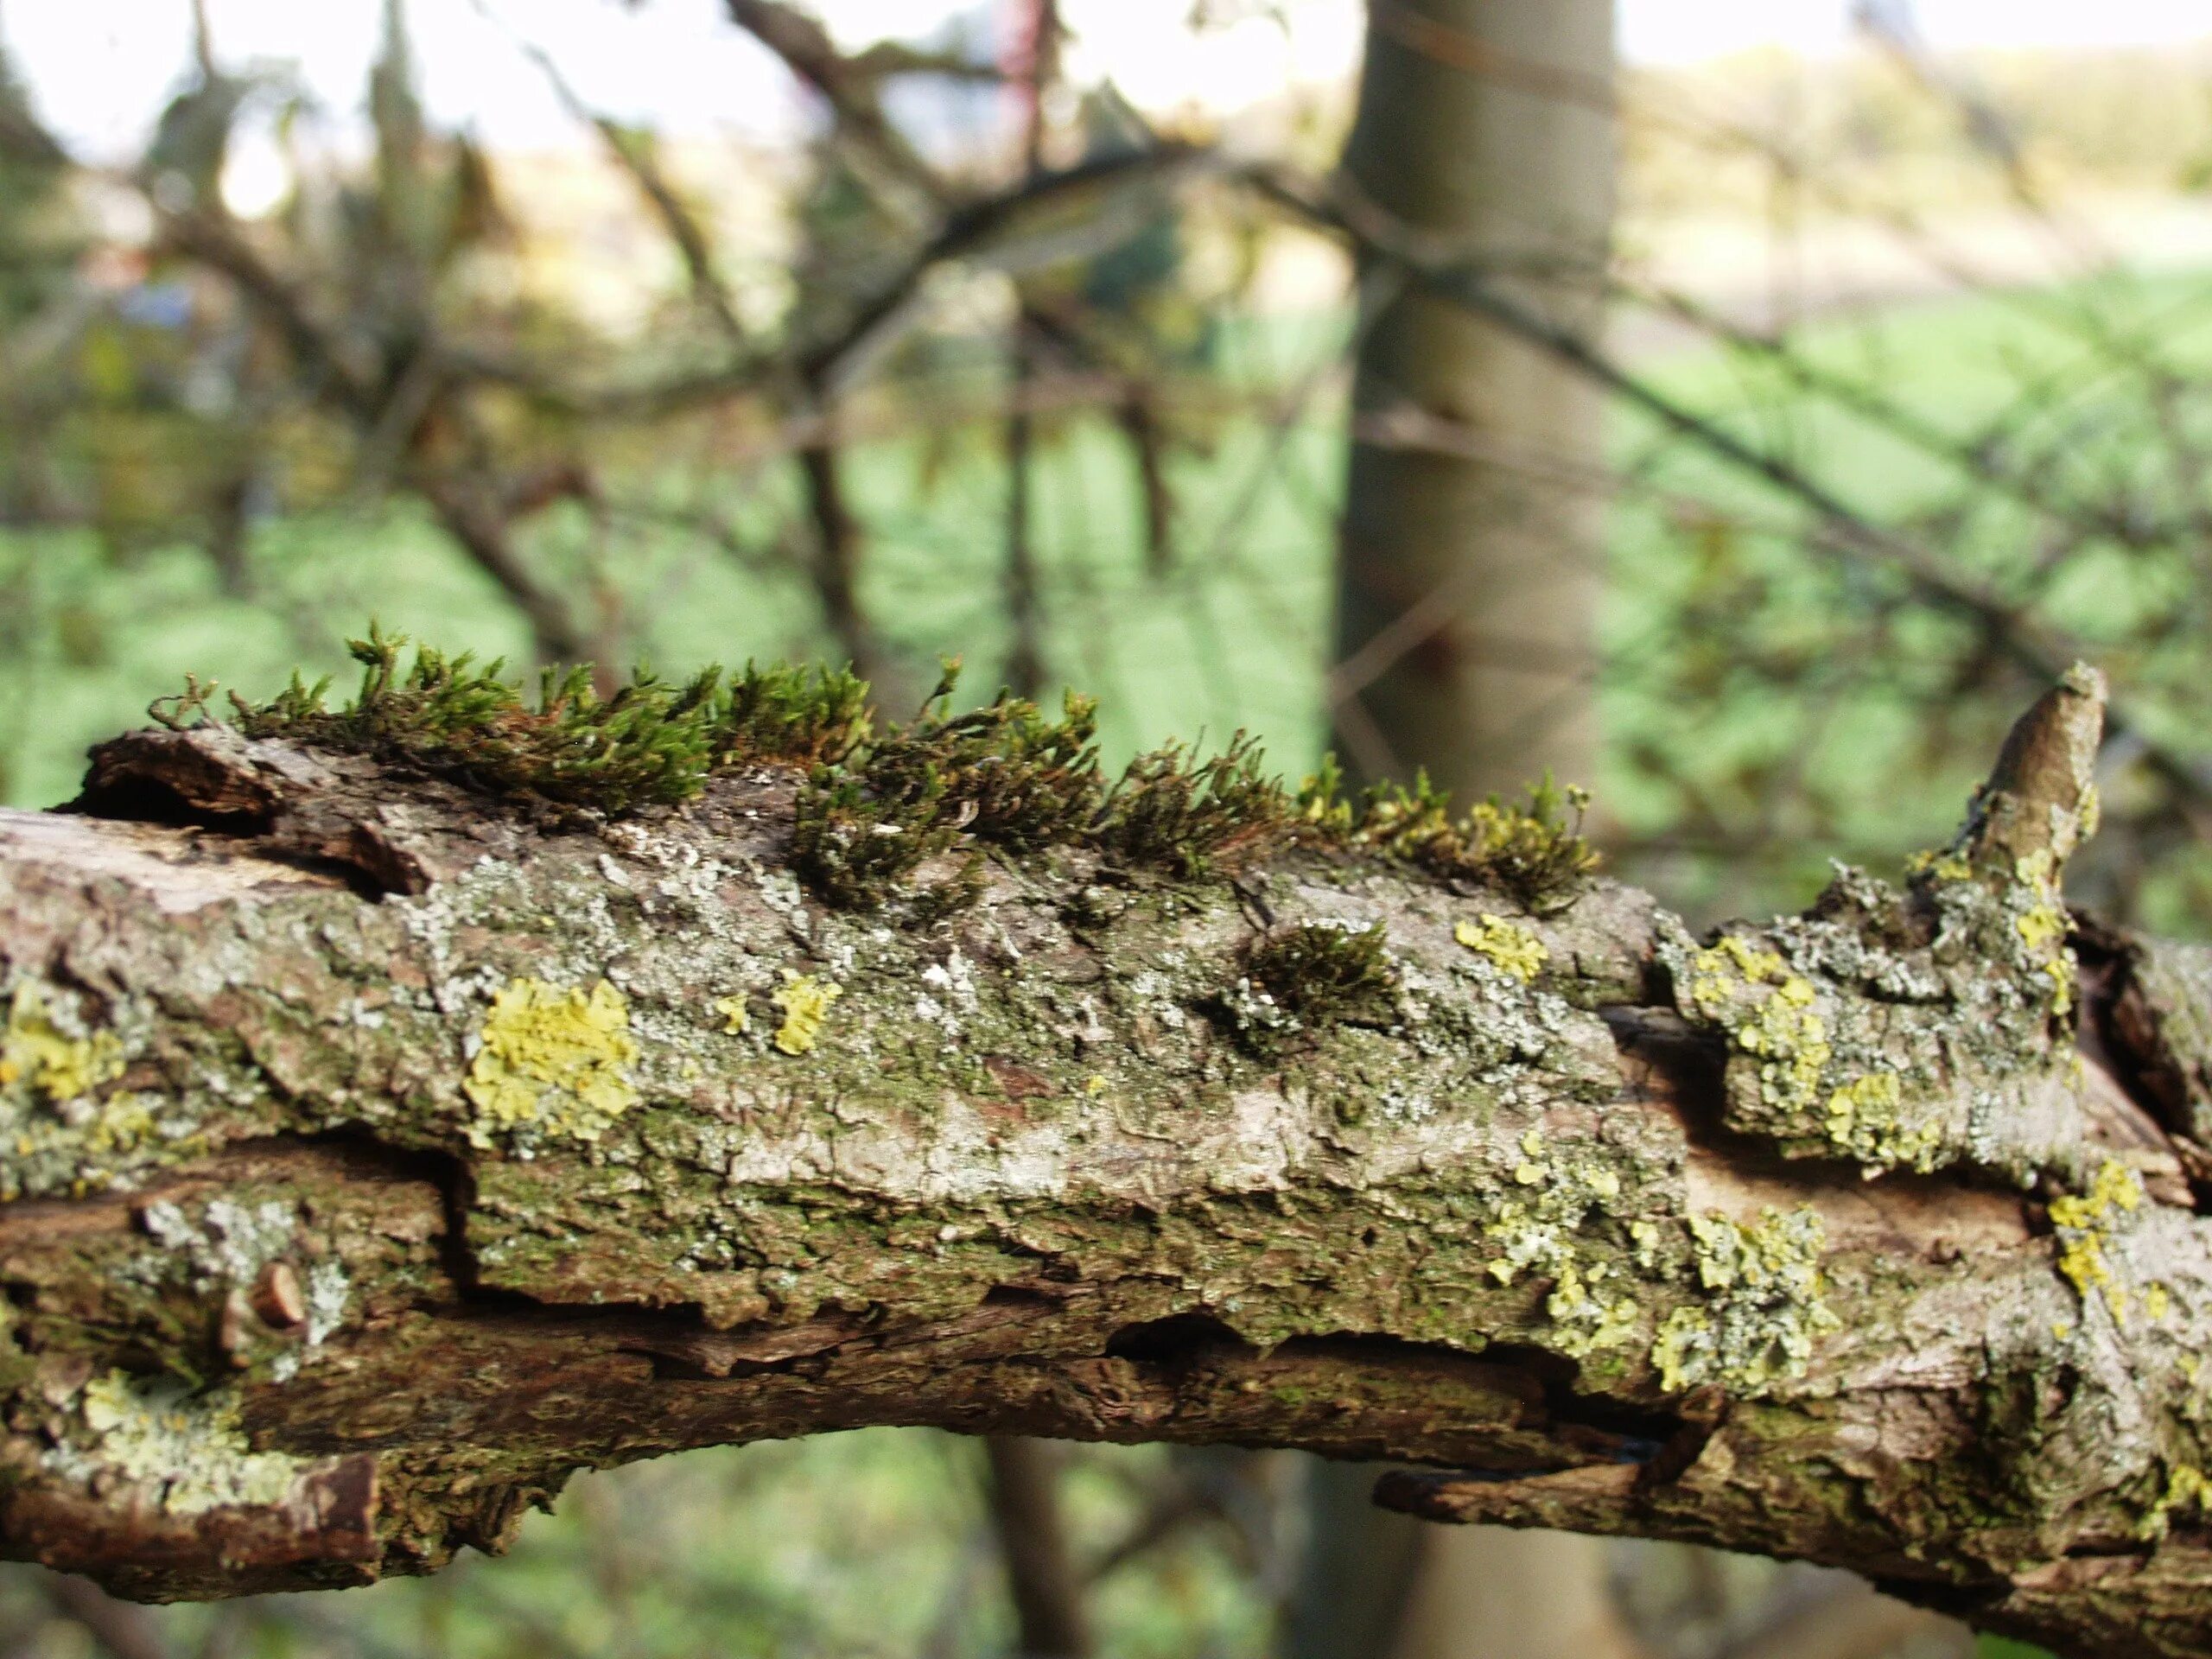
337 1225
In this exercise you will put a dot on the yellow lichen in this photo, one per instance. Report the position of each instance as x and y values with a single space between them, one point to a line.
1713 987
1514 949
736 1020
2083 1222
1766 1305
1587 1320
36 1050
2157 1301
805 1001
1791 1040
1681 1350
1944 866
1863 1119
553 1060
1768 1010
2042 927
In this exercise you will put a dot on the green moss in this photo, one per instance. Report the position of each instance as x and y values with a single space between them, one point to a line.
1001 774
875 807
805 714
650 743
1172 812
1533 849
551 1062
1327 975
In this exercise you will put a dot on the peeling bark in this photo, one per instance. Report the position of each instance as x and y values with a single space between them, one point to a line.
374 1157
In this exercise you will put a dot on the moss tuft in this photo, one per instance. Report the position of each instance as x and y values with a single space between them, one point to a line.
649 744
876 806
1533 849
1187 816
808 715
1312 977
1001 774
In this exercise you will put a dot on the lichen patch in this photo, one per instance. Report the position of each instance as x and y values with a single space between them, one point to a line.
1766 1307
2084 1223
552 1061
59 1065
1514 949
189 1449
806 1003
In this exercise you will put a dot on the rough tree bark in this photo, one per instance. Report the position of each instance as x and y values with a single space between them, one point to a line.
375 1159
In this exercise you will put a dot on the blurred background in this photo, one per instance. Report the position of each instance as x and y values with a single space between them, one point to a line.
1740 408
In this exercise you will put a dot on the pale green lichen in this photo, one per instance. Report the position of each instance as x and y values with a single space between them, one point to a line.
552 1061
1514 949
61 1066
806 1003
1538 1232
2084 1221
1865 1121
188 1449
1765 1311
231 1242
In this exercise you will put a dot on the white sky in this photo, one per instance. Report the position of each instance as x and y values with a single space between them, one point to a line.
98 68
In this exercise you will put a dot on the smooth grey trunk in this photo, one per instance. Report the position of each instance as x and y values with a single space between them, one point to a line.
1467 593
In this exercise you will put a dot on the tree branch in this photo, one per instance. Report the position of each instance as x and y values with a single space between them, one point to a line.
378 1153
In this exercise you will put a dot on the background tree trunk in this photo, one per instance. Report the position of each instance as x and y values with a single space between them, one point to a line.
1468 581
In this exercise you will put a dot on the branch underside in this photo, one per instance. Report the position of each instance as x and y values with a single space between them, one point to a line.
374 1159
